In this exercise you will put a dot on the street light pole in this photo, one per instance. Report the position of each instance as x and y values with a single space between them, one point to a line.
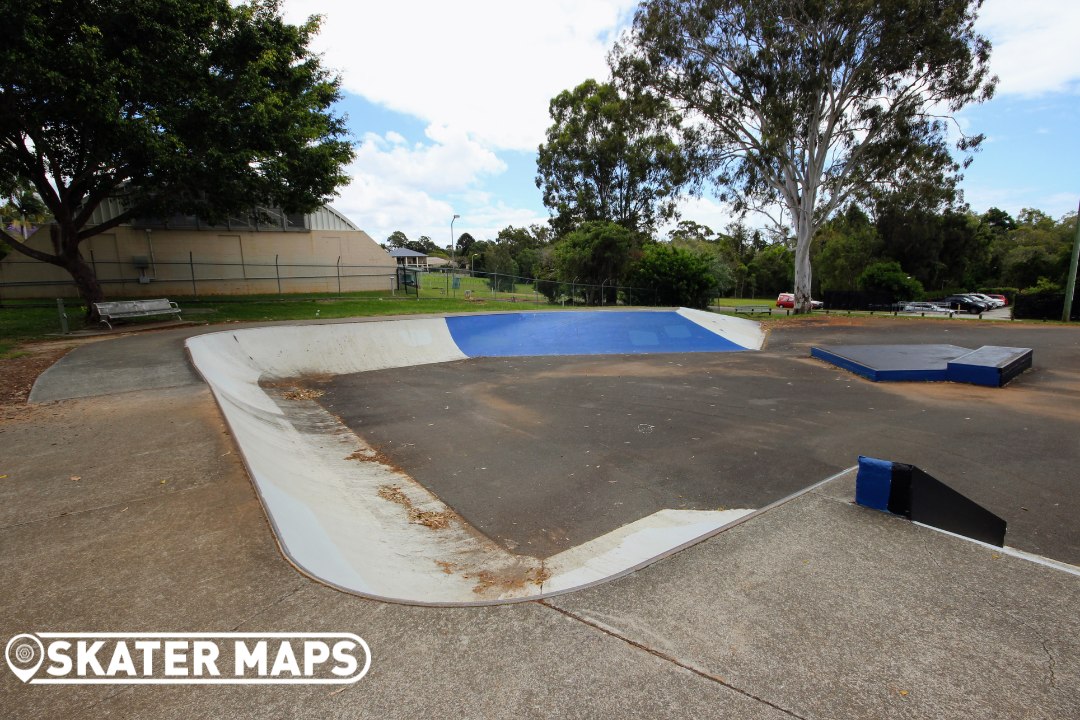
453 244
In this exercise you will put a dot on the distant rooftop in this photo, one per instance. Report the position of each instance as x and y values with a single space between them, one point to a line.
405 252
259 218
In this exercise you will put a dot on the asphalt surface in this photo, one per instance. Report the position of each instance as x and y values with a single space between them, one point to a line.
816 609
542 454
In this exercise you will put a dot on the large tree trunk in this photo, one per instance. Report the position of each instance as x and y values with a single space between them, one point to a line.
87 283
66 255
804 233
83 274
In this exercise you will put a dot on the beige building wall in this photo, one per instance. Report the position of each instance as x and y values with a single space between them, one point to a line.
223 262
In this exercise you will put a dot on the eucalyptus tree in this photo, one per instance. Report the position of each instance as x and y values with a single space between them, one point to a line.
801 106
610 156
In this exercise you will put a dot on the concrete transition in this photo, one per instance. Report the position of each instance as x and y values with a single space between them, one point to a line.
350 519
990 365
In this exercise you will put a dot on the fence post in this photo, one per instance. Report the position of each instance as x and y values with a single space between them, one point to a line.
338 274
277 272
63 316
191 264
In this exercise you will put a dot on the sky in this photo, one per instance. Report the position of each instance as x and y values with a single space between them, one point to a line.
447 103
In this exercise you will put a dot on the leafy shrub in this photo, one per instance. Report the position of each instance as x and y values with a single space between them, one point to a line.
674 277
888 277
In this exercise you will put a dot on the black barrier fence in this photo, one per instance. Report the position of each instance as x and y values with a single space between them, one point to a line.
1044 305
858 300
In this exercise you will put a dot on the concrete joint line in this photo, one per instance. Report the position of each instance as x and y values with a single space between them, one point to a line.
669 659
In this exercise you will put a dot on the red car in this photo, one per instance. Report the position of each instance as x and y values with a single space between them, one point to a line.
787 300
1002 298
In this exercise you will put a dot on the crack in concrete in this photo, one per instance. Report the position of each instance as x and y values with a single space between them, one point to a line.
275 603
670 659
110 506
1004 611
1052 664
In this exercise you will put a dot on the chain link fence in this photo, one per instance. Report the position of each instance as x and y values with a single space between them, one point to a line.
194 278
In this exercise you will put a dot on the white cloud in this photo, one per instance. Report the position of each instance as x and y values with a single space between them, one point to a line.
1034 45
451 162
380 208
714 215
418 189
485 67
1014 199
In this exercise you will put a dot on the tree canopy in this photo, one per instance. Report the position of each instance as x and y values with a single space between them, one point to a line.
673 277
597 254
804 105
173 106
610 156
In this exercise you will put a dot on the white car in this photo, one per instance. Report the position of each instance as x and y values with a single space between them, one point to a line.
993 302
925 307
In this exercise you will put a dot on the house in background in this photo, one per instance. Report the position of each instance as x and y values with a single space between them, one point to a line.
266 251
409 258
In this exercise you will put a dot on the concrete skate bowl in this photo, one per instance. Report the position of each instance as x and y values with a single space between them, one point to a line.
346 515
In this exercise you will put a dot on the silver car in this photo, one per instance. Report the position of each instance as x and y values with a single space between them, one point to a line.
925 307
992 302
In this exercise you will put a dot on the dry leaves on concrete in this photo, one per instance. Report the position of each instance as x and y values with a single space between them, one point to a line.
436 520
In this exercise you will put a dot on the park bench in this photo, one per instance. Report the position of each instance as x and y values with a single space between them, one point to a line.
751 309
122 309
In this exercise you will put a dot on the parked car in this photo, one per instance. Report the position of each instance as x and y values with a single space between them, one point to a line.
966 303
787 300
1004 300
925 307
993 302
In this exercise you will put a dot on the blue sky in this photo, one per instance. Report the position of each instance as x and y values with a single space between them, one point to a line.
448 101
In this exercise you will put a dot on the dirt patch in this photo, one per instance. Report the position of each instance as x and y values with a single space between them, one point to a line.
615 366
433 519
818 320
19 371
512 578
302 394
372 455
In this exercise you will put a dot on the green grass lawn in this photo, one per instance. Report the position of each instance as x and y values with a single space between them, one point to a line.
732 302
20 323
23 321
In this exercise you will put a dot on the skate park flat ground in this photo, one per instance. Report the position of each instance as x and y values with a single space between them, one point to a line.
543 454
814 609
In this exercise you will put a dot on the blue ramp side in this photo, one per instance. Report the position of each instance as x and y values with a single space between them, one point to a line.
873 484
583 333
893 363
990 365
835 358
